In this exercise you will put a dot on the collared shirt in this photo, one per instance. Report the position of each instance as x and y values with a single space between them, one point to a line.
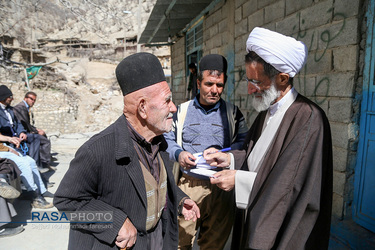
31 115
276 106
4 107
214 108
27 105
147 152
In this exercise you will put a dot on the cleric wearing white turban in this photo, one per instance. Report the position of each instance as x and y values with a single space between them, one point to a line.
283 176
284 53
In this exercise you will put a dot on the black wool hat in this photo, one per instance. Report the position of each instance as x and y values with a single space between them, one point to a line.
213 62
139 71
4 92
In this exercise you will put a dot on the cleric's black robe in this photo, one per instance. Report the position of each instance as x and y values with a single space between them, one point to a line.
291 200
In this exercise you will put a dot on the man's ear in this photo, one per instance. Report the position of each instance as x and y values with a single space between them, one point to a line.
282 79
198 84
142 108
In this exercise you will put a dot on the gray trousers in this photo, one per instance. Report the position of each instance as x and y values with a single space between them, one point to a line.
7 211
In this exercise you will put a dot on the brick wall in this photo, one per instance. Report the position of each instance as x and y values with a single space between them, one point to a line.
332 31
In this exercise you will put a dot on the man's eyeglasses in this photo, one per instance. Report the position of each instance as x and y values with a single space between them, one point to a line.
254 82
33 99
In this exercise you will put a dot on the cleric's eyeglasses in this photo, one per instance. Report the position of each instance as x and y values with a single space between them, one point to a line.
254 82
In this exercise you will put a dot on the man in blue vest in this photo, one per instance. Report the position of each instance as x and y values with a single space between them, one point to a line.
205 121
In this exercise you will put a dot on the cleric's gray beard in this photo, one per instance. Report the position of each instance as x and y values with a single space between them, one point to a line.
267 98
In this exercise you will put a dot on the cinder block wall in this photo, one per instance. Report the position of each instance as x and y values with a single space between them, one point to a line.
178 66
334 32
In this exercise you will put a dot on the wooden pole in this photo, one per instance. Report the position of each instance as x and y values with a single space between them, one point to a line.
139 25
27 80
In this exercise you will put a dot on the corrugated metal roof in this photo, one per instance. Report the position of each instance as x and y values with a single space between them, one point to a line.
168 18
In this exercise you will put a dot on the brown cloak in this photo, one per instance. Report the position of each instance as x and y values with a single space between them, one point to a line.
291 200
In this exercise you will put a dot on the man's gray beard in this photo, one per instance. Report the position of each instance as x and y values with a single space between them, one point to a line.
268 97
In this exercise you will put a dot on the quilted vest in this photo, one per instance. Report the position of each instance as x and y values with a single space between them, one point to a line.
156 194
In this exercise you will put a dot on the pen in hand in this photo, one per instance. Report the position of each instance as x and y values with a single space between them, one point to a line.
221 150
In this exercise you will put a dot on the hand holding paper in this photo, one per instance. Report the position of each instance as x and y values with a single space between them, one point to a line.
217 158
202 167
200 162
186 159
225 179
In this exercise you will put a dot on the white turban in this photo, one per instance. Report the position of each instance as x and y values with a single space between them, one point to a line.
284 53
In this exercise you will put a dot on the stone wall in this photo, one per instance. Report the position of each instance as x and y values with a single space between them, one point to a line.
53 114
332 77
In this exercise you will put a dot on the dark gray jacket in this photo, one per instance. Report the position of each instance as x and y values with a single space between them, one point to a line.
105 175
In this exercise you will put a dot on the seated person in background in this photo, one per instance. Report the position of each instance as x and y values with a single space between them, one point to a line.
30 175
22 112
9 177
10 126
9 180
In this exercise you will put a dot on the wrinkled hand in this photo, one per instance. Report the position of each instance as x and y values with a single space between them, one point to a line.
127 235
14 140
224 179
190 210
186 159
23 137
216 158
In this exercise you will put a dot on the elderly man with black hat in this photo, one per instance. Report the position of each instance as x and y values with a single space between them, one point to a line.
283 176
125 169
205 121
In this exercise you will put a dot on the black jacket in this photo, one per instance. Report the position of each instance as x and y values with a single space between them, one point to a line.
22 114
105 175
